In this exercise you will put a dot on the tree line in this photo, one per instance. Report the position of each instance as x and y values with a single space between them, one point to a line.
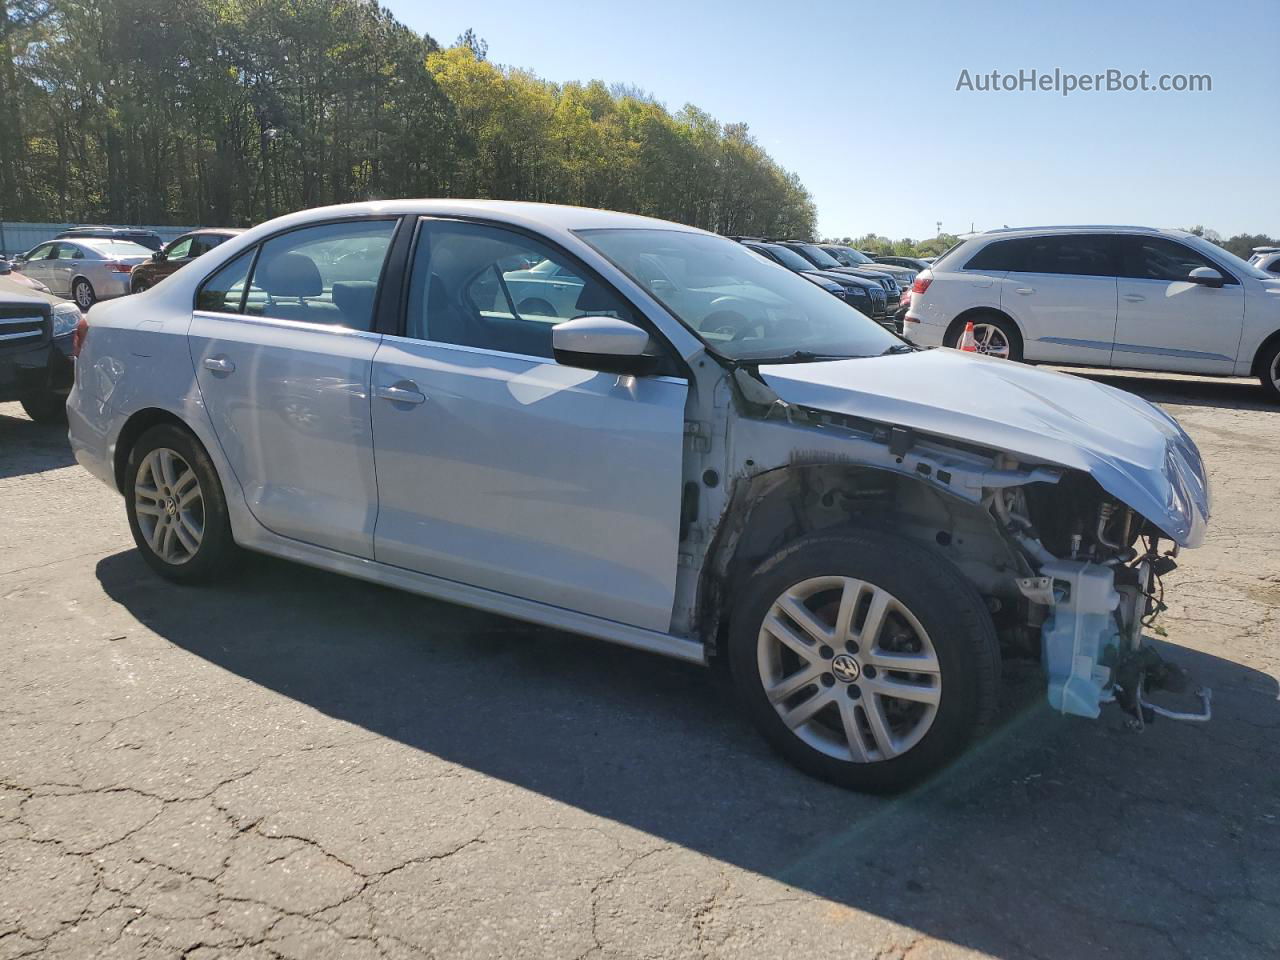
229 112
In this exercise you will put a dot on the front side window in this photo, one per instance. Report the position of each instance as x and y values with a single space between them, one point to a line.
42 252
180 249
324 274
740 305
1159 258
476 285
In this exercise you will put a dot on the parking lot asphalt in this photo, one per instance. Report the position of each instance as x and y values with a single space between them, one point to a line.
294 764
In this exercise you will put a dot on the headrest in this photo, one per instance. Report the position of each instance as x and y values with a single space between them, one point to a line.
289 275
355 299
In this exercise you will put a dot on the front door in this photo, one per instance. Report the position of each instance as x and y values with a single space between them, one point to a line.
501 469
283 359
38 263
1169 323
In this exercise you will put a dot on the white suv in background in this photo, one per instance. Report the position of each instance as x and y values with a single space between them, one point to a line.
1130 297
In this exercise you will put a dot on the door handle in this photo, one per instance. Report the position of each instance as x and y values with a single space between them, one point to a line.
1025 291
219 364
1134 297
406 391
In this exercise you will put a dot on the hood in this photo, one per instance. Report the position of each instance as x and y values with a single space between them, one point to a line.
1136 452
843 279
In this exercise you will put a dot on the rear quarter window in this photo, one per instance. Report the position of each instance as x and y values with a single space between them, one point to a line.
997 257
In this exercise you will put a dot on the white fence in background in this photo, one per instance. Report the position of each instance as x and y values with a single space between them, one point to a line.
16 237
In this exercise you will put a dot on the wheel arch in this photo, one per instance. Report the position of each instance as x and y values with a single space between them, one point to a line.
1255 368
777 506
139 423
975 312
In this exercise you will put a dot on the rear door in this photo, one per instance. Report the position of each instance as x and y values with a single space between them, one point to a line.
1169 323
1061 290
283 354
501 469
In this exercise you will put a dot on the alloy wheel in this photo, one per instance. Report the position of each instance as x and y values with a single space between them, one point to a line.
849 669
1274 372
84 295
991 340
170 506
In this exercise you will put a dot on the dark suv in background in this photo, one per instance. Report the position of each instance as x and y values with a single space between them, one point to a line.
176 255
865 294
145 238
37 335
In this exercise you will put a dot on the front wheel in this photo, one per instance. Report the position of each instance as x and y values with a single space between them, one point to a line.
139 286
866 660
82 293
177 512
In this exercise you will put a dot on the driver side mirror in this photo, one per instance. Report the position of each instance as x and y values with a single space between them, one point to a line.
159 256
605 344
1206 277
6 268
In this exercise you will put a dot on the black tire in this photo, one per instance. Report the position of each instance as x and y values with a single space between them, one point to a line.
946 605
47 407
82 293
217 550
1269 371
999 321
137 286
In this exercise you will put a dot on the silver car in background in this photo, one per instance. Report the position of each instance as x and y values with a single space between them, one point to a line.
84 270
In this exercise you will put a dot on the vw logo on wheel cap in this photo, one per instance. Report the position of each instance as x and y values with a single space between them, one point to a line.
845 668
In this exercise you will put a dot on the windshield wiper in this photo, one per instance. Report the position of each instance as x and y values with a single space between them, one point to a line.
805 356
899 348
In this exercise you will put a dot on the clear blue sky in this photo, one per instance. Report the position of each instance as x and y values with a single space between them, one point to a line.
860 100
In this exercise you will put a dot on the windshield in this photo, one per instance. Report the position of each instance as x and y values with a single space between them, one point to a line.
853 258
1227 258
117 248
741 305
789 258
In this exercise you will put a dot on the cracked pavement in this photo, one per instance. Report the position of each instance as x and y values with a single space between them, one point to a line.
295 765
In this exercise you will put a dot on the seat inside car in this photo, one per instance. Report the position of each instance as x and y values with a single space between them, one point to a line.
291 281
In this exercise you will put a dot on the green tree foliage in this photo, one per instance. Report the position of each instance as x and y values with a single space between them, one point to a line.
874 245
233 111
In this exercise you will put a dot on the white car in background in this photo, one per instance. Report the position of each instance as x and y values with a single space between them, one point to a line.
714 458
1266 258
84 270
1101 296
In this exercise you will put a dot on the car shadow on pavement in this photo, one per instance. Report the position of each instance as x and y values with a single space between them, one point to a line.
31 447
1048 825
1232 393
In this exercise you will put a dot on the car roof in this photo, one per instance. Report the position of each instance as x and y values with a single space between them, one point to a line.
1076 228
12 294
556 216
215 231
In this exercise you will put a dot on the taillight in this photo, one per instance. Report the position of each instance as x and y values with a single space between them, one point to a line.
82 332
115 266
921 284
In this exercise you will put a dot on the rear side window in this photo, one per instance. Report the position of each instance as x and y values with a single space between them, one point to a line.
1080 255
224 291
323 274
997 257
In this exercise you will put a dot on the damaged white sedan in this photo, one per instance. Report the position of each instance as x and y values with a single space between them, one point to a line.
665 442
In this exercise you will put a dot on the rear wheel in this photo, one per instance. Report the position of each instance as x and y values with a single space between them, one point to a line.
177 512
82 293
1269 371
865 660
994 335
139 286
46 407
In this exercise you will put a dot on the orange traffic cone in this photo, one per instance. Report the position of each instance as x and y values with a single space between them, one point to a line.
967 343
